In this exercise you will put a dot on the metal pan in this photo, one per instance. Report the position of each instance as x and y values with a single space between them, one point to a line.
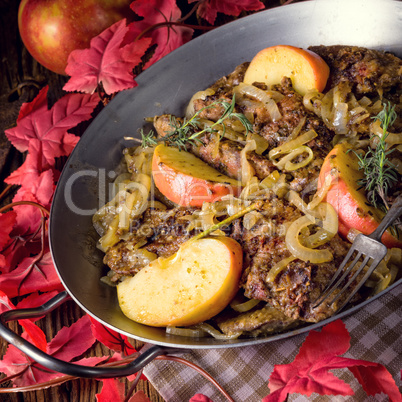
166 87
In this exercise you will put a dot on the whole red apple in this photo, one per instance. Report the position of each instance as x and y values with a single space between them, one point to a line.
51 29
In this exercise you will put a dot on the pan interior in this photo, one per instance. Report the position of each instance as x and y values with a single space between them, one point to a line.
166 87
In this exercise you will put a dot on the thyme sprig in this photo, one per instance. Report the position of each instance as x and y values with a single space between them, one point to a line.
379 172
188 133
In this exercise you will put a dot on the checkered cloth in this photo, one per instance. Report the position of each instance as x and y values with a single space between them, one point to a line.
376 335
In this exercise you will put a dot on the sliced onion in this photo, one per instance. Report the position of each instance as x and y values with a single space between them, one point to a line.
281 187
340 119
286 163
298 250
295 199
296 131
215 333
190 111
312 101
110 238
278 267
261 142
262 96
250 219
245 306
222 131
293 144
270 180
247 171
322 192
190 332
391 139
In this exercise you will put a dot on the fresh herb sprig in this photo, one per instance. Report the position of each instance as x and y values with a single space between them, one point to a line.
379 172
188 133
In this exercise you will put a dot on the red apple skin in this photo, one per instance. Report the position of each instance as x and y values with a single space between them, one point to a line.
52 29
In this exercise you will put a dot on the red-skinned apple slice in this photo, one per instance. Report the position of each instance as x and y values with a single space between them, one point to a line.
306 69
350 202
188 181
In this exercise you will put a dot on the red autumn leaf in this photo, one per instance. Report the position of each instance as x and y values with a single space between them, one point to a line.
23 243
34 333
209 9
45 131
70 342
23 235
377 379
106 62
113 390
167 38
139 396
33 177
30 275
309 372
112 339
7 222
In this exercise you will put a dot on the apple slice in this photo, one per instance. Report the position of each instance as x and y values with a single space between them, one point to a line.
350 202
306 69
187 180
187 288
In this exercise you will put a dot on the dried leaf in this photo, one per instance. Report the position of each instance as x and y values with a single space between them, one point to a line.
106 62
44 131
70 342
167 38
309 372
112 390
112 339
209 9
30 275
7 222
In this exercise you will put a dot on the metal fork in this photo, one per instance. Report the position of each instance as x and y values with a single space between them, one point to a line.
368 247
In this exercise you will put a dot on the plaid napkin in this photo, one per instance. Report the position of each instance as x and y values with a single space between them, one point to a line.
376 335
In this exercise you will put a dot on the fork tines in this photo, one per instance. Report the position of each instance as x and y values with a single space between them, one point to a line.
373 250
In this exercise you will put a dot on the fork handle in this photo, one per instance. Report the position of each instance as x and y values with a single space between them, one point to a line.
393 213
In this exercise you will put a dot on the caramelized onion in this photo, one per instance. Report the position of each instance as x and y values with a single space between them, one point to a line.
323 190
278 267
266 98
293 144
214 332
247 171
190 332
190 111
391 138
298 250
285 163
245 306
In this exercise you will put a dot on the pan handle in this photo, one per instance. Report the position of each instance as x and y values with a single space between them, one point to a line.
61 366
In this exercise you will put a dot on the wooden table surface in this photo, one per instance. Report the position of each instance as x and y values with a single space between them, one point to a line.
20 78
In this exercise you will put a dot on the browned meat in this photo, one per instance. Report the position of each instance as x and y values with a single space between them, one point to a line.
257 321
276 133
223 90
300 283
162 231
367 70
227 160
293 111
